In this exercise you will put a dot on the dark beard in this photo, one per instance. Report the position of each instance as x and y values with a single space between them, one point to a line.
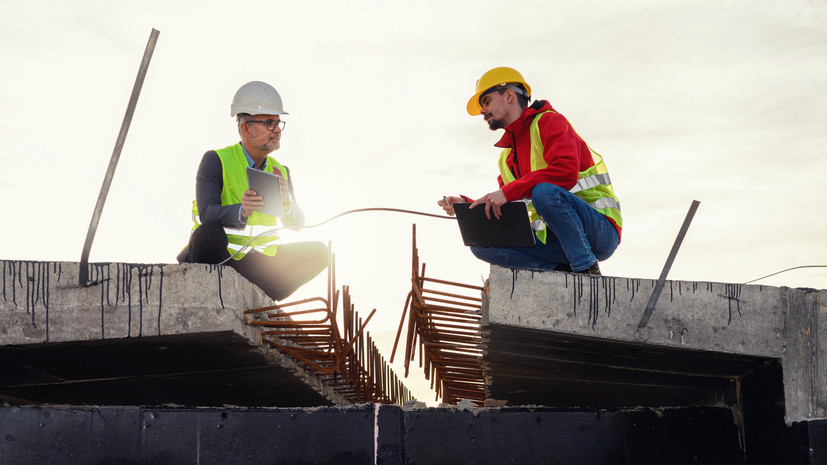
495 124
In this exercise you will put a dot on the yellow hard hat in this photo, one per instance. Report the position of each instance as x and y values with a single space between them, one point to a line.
495 77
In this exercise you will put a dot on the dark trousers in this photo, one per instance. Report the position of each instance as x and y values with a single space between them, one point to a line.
278 276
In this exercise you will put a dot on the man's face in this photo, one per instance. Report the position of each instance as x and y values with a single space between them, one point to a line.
260 136
493 110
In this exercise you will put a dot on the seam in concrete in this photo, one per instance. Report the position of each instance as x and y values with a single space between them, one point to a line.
376 433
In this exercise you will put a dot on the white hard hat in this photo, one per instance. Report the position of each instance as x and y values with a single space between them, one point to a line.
257 98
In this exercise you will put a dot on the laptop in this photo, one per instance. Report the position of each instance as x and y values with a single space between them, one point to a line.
512 229
266 185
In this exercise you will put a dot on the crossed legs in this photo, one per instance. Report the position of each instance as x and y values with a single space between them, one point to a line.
278 276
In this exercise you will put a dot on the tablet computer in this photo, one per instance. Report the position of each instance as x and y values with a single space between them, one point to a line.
266 185
512 229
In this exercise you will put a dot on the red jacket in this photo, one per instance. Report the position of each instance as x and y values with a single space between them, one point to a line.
564 151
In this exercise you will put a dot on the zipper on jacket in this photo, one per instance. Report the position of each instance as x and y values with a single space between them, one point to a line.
517 175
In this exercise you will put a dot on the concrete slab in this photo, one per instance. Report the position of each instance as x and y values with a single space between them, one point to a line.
144 334
562 335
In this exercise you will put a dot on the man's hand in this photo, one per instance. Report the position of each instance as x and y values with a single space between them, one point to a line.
284 187
447 204
250 202
492 201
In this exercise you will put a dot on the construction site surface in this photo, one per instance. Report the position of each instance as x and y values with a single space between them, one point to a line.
193 361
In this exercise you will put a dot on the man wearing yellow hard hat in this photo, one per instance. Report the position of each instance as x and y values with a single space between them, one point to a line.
572 206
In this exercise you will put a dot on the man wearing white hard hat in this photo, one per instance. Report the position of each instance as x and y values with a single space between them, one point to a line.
227 214
572 206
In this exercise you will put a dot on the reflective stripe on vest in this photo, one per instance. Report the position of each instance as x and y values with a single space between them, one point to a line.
234 163
594 186
589 182
249 230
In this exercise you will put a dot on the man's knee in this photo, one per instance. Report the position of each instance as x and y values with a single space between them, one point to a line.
309 256
208 244
486 254
476 251
210 233
319 254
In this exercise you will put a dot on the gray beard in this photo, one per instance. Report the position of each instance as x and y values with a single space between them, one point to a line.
270 145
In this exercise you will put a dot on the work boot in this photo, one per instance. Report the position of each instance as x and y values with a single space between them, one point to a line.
594 269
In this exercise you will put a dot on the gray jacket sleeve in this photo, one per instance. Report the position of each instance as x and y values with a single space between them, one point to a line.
209 182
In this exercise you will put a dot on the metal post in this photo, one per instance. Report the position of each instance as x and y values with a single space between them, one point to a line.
650 307
116 154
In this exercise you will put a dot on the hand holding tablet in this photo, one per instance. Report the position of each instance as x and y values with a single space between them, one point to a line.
267 185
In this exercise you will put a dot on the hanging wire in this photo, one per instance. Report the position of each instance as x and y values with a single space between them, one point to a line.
788 269
358 210
414 212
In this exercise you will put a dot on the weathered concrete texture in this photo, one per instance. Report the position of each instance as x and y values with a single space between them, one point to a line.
753 322
807 443
368 434
820 332
43 309
537 435
42 301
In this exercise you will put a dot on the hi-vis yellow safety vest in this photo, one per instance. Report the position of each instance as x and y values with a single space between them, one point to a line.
593 185
234 163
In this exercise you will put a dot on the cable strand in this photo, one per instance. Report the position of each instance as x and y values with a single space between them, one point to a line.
246 246
784 271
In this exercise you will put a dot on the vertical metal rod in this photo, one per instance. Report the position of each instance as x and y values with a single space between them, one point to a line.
116 154
650 307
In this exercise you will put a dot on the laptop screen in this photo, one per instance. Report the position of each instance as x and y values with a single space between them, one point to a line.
512 229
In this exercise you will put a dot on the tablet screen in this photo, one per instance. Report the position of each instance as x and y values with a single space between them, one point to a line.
266 185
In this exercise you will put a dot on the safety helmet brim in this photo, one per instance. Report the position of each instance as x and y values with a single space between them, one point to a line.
493 78
257 98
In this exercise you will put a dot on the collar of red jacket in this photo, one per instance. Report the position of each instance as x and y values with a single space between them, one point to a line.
523 122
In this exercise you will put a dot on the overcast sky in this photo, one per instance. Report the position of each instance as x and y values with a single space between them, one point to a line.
720 101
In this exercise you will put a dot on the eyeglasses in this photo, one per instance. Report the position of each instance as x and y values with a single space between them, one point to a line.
270 124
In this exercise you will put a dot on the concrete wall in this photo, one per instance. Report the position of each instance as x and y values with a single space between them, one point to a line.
774 322
367 434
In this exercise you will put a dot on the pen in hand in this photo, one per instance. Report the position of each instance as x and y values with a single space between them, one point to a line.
446 205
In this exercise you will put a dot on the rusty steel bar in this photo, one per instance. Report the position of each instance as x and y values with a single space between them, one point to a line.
444 325
336 347
401 324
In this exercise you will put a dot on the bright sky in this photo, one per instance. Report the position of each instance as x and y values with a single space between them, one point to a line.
720 101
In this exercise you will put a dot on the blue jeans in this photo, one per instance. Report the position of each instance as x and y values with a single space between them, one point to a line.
578 235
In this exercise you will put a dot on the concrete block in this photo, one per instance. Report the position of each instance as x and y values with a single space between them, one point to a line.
729 318
780 323
43 303
799 360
